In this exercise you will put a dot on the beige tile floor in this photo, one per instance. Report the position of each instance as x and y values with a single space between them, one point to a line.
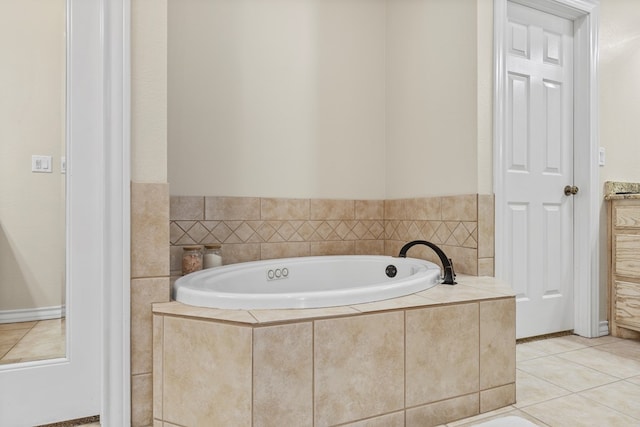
564 381
574 381
28 341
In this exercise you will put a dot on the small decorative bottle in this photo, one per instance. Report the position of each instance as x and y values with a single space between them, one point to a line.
191 259
212 256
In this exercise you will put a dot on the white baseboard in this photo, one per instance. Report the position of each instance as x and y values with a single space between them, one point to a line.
603 328
32 314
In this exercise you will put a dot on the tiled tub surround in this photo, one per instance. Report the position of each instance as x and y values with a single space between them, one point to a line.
149 284
421 360
252 229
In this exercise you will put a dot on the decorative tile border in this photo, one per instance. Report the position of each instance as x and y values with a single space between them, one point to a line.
261 228
453 233
225 232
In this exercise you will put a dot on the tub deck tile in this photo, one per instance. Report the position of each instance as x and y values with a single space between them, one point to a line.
178 309
273 315
458 293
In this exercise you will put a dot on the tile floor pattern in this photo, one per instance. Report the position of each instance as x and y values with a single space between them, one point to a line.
573 381
564 381
28 341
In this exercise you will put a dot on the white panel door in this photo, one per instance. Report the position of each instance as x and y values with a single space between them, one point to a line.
539 164
34 393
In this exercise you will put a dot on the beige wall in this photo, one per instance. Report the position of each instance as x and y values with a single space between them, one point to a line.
349 99
149 91
282 98
431 98
32 42
619 68
484 55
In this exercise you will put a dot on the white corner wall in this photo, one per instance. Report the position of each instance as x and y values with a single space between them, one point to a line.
32 116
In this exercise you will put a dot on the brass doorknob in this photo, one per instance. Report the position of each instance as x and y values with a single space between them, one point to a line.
570 190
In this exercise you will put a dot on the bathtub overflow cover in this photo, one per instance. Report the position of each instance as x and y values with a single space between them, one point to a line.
391 270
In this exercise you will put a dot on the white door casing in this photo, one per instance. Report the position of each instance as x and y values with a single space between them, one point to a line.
539 154
584 15
93 378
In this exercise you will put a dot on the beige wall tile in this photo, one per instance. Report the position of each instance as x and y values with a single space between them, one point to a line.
319 221
359 365
175 233
141 396
158 343
284 250
149 230
369 247
390 420
175 258
460 208
370 209
392 247
144 292
498 397
465 260
332 248
244 252
332 209
186 208
497 343
443 412
207 373
486 226
395 209
424 208
450 368
231 208
486 267
284 209
283 375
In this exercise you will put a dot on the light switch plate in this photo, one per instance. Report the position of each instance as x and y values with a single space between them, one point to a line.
41 164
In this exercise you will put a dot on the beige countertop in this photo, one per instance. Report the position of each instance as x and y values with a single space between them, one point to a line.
621 190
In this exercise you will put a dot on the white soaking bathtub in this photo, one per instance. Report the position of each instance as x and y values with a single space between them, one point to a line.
306 282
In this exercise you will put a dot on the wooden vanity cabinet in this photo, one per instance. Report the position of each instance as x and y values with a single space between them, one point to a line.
624 267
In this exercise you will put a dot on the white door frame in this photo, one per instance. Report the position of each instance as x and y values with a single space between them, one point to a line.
584 13
116 274
98 210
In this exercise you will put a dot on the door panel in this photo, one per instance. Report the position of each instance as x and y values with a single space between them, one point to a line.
540 148
519 247
66 388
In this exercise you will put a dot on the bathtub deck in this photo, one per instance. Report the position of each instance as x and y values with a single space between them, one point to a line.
469 288
424 359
